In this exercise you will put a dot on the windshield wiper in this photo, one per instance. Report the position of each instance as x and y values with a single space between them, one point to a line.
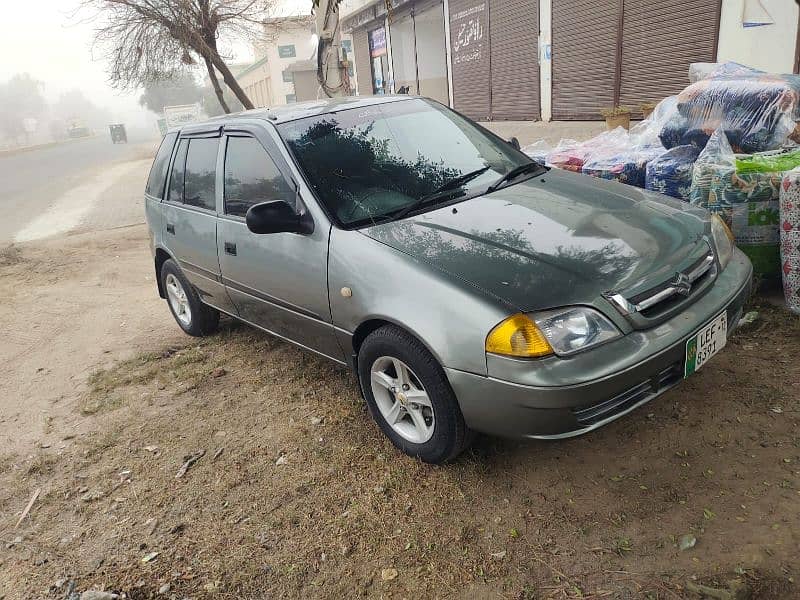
444 189
513 174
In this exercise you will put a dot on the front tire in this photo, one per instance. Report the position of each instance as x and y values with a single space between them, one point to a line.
194 317
409 396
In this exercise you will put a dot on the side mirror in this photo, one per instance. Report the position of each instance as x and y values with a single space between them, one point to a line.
514 142
276 216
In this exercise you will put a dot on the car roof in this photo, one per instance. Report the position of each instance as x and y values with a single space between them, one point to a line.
297 110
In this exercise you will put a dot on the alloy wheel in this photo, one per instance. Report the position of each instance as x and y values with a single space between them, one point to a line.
402 400
178 300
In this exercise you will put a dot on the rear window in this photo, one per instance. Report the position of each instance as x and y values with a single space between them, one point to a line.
201 165
178 167
158 172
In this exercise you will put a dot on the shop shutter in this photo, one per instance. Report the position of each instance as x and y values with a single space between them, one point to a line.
362 62
469 45
514 27
659 40
584 48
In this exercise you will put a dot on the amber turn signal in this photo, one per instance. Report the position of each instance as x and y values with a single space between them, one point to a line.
518 336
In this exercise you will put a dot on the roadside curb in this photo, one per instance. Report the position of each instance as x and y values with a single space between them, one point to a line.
15 151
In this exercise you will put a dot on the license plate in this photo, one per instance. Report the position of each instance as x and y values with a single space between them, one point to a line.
708 341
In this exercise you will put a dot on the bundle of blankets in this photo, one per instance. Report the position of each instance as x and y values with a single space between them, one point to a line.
745 190
670 173
757 111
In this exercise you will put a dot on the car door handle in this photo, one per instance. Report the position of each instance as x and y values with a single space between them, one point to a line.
230 248
171 228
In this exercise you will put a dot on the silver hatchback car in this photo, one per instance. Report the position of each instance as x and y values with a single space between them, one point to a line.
470 288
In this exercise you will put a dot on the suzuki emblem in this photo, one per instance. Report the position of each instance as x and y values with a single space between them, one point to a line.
682 284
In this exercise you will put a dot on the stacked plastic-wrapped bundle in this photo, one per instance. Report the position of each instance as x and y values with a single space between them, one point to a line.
745 191
790 238
624 158
569 155
616 155
538 151
671 172
756 110
712 176
626 165
572 155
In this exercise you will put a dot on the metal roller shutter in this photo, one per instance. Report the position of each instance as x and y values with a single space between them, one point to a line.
659 40
514 27
469 44
362 62
584 49
627 52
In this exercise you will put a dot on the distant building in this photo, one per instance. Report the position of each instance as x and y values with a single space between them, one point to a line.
269 81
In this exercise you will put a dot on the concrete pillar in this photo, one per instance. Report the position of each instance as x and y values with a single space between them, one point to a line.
545 59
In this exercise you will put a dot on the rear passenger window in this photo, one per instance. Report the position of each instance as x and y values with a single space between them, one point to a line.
178 169
251 177
201 164
158 172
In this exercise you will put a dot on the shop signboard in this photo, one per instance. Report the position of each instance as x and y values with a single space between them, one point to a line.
359 19
181 114
377 42
468 29
469 44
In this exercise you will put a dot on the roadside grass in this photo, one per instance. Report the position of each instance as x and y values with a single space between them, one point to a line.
109 389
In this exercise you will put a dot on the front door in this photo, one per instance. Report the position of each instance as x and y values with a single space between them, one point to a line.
190 216
277 281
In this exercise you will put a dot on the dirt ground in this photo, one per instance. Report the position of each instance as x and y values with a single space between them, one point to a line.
297 494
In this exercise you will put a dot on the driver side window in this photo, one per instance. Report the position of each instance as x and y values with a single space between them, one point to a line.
251 177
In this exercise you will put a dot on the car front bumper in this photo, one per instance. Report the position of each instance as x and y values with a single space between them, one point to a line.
607 382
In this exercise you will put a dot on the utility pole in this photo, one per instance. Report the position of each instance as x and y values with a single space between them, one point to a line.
332 78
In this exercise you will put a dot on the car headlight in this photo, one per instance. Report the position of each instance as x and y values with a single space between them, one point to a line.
570 330
563 331
723 240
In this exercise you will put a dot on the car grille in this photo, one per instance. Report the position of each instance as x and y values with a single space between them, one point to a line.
667 297
638 394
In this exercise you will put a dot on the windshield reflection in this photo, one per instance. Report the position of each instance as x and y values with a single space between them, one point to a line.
370 163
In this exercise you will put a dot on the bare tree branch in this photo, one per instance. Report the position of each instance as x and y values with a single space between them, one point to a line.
153 40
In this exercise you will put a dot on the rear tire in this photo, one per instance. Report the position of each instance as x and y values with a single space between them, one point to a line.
409 396
194 317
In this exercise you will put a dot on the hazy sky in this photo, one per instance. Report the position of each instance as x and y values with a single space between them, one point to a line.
45 39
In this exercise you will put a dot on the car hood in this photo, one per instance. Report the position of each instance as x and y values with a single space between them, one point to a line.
554 240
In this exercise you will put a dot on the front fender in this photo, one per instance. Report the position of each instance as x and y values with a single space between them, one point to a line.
450 316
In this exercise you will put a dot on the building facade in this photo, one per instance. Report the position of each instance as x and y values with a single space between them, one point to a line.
269 81
559 59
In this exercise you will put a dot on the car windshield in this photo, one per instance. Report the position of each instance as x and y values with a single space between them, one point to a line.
375 162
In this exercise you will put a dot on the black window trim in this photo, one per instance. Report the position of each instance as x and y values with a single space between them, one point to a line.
201 134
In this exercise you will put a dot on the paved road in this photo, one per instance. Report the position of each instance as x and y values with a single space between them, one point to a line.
57 189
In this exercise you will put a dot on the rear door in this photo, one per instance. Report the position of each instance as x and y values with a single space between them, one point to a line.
190 215
277 281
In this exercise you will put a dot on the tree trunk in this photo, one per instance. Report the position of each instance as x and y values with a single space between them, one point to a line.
215 83
230 80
